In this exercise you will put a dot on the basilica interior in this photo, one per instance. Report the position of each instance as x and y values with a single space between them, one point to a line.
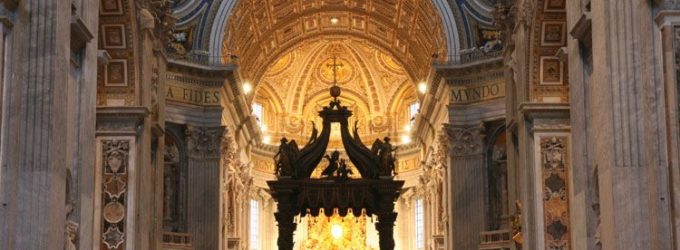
339 124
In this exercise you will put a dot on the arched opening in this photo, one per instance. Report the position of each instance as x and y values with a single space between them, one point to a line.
285 50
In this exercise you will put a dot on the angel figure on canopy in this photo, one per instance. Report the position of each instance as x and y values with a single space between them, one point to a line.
385 152
287 155
332 164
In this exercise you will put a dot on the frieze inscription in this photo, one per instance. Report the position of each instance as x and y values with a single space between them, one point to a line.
193 95
478 93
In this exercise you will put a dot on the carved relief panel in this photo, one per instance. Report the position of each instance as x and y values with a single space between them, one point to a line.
552 176
114 179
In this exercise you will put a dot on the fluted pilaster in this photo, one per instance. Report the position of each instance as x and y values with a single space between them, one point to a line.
35 126
467 186
203 148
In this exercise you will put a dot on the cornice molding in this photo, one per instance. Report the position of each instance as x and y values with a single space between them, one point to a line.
120 120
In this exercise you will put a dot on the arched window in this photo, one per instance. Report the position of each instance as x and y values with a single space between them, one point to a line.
413 110
254 225
420 224
258 112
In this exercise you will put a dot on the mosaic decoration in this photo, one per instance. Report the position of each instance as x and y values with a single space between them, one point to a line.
115 154
555 166
345 72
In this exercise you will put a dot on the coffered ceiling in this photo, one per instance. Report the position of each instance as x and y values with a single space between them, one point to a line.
221 28
259 31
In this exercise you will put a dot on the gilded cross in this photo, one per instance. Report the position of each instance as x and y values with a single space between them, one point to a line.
335 67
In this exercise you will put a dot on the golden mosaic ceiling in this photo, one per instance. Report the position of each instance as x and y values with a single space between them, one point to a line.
303 76
375 86
260 31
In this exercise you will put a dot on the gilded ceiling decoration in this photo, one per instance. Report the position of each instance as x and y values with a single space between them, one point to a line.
205 23
374 85
259 31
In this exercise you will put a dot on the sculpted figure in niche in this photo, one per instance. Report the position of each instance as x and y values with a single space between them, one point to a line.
171 153
385 152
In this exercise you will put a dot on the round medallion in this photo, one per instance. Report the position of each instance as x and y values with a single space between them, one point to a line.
344 71
114 212
280 65
390 64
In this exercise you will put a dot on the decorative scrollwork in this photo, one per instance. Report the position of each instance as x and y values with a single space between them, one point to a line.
204 141
466 141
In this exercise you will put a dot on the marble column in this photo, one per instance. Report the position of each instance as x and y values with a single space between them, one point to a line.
36 131
668 22
386 214
584 203
629 147
467 185
203 146
285 214
385 227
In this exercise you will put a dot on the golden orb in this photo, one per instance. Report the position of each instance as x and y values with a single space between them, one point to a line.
335 91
